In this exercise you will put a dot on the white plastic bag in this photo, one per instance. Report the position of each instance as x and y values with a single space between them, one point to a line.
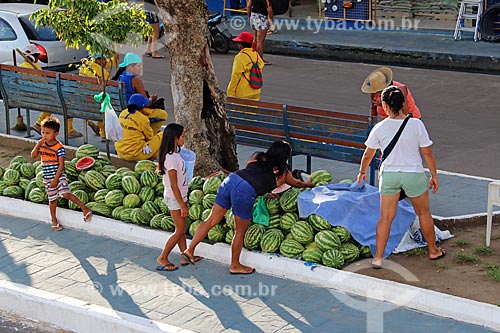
113 128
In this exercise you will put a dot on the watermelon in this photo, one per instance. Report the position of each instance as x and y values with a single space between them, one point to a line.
122 170
195 212
327 240
211 185
312 255
108 170
87 150
333 258
27 190
105 161
13 191
77 185
27 170
196 197
343 234
84 163
217 233
159 189
131 201
346 181
82 195
196 183
287 220
70 169
151 208
144 165
271 240
188 223
302 232
95 180
113 198
11 177
81 176
229 236
274 222
140 216
100 195
18 159
365 252
349 251
131 185
312 246
38 195
125 214
273 206
253 236
321 176
229 218
23 182
147 194
194 226
160 202
205 214
288 200
167 223
39 179
291 248
116 213
156 221
62 202
132 174
102 209
114 182
2 170
208 201
3 186
38 169
319 223
149 178
15 166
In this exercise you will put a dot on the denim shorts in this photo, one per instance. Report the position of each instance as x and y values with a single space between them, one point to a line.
237 193
413 183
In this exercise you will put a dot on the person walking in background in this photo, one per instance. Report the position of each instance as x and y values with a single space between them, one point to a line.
33 54
54 176
260 13
239 86
263 173
172 167
133 85
153 20
402 169
139 141
377 81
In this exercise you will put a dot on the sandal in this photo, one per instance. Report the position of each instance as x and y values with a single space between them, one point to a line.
196 258
87 217
148 54
57 227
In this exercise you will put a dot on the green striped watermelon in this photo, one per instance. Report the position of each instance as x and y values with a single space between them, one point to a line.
333 258
3 186
70 169
87 150
319 223
287 220
38 195
15 166
211 185
160 202
196 183
288 200
349 251
217 233
274 222
159 189
229 218
27 190
113 198
253 236
116 213
229 236
291 248
312 255
151 208
147 194
131 185
208 201
114 182
122 170
11 177
321 176
343 234
365 252
167 223
102 209
194 226
144 165
105 161
82 195
23 182
77 185
100 195
327 240
149 178
18 159
196 197
346 181
195 212
125 214
273 205
27 170
302 232
271 240
156 221
39 179
131 201
205 214
95 180
13 191
140 216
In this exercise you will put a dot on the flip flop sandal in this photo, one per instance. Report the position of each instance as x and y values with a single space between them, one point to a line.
196 259
243 273
57 227
87 217
443 253
158 57
188 259
166 268
148 54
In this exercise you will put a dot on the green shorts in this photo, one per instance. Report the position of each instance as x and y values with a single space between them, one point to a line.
413 183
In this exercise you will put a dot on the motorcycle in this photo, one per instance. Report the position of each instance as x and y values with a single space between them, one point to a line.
219 32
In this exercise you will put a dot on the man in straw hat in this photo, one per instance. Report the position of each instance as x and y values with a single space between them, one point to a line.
377 81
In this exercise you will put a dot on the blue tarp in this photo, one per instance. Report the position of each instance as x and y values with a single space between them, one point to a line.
356 209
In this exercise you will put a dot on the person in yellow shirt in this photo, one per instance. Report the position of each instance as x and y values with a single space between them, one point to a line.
32 53
239 86
96 67
139 141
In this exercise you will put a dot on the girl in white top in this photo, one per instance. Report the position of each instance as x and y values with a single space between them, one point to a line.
401 170
173 169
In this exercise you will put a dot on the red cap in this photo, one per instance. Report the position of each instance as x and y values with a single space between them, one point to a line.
245 36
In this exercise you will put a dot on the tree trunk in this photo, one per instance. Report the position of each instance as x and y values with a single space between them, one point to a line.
198 100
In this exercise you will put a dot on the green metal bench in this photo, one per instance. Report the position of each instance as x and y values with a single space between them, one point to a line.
311 132
65 94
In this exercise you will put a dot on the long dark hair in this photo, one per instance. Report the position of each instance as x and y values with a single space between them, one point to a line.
171 132
276 156
394 98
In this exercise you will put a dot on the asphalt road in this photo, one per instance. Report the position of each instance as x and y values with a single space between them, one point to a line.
461 110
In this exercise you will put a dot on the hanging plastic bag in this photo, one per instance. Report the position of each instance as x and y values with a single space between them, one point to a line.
260 213
112 128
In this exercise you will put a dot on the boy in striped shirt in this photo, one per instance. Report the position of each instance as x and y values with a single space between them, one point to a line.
54 177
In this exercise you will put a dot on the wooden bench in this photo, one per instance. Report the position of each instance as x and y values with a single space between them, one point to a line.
65 94
311 132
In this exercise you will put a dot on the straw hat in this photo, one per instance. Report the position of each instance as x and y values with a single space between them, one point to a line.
377 80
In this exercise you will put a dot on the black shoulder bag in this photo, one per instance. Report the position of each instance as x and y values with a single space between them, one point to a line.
390 147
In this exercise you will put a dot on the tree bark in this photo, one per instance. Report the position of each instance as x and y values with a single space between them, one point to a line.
198 100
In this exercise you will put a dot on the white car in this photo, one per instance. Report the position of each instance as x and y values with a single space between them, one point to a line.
17 31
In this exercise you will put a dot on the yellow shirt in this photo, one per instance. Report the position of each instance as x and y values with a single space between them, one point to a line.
92 69
30 65
239 85
137 132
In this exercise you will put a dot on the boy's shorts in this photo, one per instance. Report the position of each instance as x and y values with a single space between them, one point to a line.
413 183
237 193
259 21
173 204
61 188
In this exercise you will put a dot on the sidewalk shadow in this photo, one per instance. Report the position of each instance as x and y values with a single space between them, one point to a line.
17 272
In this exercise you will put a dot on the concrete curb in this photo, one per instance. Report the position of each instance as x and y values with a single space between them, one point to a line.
72 314
439 304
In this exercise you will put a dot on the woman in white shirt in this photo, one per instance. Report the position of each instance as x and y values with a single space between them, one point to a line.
401 170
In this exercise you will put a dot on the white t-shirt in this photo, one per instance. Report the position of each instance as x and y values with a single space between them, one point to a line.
175 162
405 156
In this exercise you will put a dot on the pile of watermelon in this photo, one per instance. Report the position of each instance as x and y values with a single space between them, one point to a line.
136 196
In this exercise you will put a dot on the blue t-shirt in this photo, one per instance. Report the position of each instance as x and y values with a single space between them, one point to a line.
126 78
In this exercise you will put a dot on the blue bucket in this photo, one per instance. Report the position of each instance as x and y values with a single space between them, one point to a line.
189 158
